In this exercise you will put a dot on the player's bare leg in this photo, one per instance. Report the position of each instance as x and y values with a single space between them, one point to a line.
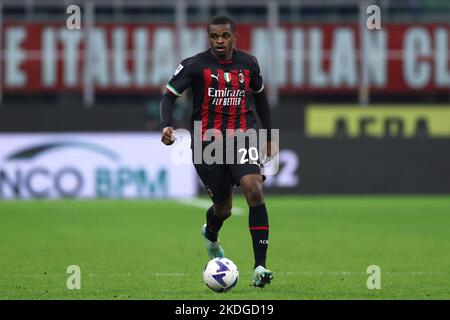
215 217
252 185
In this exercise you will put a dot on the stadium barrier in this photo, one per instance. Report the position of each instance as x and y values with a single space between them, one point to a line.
379 149
91 165
378 121
339 166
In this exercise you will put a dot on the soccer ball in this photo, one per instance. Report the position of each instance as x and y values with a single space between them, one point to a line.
220 274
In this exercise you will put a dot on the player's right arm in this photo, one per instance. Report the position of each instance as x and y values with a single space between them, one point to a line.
166 110
180 81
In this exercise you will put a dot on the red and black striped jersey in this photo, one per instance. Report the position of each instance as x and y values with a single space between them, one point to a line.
220 89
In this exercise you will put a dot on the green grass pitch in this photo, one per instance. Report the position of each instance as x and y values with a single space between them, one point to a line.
320 248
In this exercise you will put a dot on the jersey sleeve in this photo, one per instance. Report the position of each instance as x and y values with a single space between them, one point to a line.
182 78
256 80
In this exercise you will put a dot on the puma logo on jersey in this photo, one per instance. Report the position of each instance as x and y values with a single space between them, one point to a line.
214 76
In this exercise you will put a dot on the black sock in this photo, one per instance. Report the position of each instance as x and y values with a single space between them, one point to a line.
213 225
259 228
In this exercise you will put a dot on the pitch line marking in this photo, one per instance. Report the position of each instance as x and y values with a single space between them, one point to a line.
185 274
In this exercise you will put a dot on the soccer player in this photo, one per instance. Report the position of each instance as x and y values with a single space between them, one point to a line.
221 79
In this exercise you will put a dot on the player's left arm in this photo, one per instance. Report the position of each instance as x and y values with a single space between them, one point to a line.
263 111
262 107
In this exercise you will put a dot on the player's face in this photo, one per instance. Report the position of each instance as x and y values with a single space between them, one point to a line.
222 40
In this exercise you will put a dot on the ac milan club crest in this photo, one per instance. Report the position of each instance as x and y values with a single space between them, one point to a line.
241 77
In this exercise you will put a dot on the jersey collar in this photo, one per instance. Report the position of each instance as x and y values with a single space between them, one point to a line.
224 61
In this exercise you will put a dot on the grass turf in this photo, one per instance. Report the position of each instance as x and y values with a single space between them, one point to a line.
320 248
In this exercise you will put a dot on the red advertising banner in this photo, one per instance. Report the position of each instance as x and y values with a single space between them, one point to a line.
142 58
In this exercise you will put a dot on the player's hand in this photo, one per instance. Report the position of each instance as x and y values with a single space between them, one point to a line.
271 150
167 136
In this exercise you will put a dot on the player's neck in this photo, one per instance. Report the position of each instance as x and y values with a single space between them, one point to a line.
227 58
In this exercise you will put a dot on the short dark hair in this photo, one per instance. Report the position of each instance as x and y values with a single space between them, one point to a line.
221 20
